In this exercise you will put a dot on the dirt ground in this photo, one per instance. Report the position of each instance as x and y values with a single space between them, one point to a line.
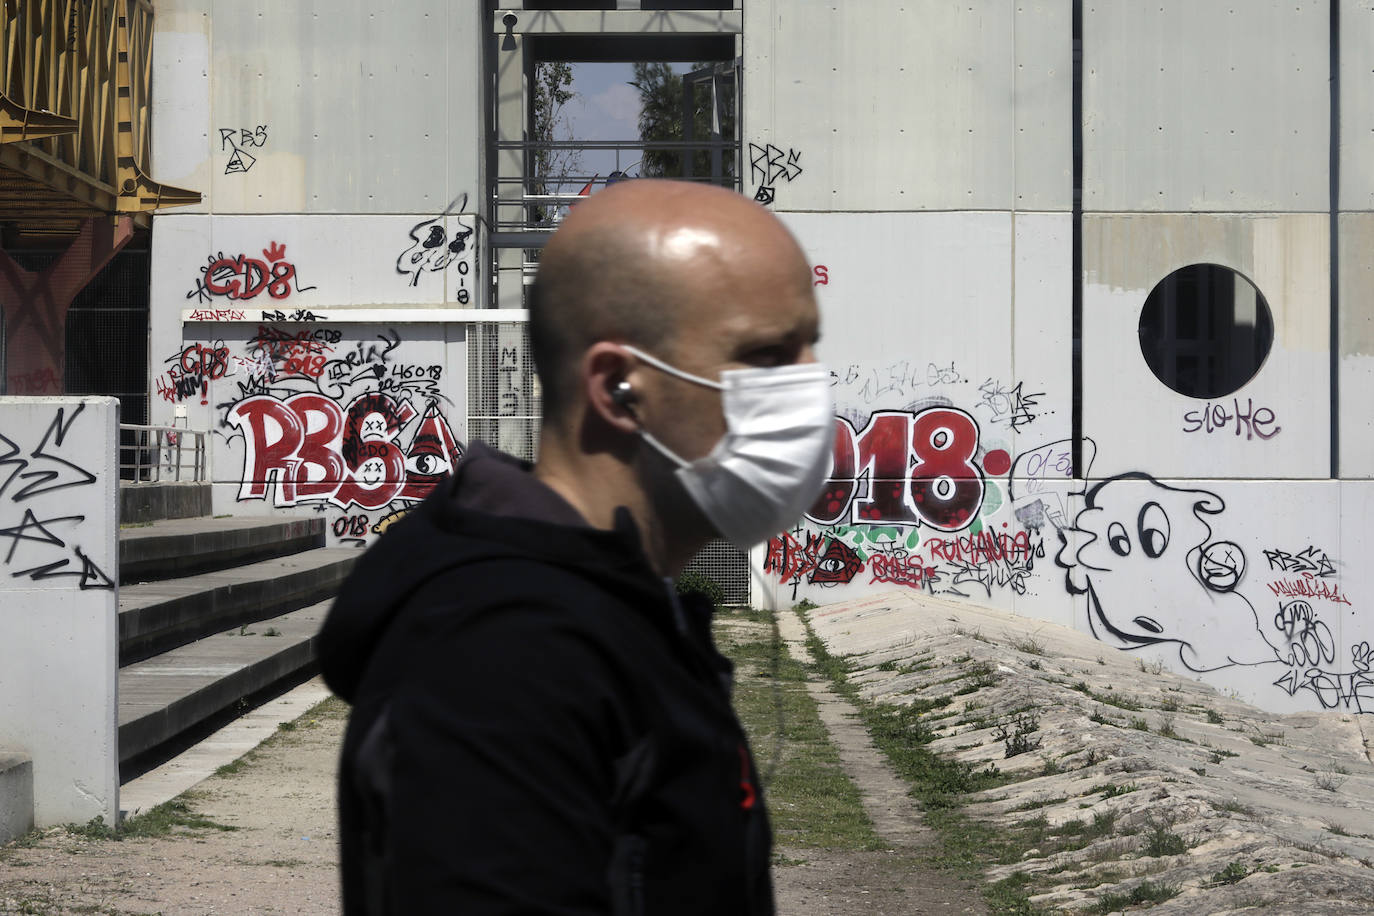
282 857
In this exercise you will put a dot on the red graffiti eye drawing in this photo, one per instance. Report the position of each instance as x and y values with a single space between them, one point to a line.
433 454
837 566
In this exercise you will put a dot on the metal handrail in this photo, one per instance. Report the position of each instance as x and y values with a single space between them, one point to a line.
159 448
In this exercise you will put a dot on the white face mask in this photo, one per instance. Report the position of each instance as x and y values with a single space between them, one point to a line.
769 466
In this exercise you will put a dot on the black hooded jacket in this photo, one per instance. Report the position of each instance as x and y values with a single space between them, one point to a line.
538 726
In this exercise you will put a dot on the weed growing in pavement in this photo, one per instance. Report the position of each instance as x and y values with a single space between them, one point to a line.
1214 717
162 820
1112 791
1329 779
1236 807
1233 873
1147 892
1016 735
1030 645
1160 840
1219 755
1139 724
1154 667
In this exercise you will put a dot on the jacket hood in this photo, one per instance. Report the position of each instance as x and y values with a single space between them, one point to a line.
492 507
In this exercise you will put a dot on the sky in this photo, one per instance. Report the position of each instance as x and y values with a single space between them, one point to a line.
606 107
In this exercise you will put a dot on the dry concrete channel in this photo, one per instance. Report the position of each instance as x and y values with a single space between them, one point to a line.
1146 788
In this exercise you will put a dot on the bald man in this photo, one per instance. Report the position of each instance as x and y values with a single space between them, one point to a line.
540 725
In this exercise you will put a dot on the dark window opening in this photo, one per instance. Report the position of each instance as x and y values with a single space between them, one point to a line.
1205 330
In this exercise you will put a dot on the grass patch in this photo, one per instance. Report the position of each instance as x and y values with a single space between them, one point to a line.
1214 717
812 802
169 817
1146 893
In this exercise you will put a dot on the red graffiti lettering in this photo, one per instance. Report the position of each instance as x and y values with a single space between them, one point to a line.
918 469
899 570
1308 586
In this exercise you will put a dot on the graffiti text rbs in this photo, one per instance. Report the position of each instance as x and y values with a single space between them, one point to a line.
920 468
320 452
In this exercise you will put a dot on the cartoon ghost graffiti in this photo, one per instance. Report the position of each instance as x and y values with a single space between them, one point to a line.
1141 551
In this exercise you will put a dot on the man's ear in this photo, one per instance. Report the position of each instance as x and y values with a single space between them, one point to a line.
607 373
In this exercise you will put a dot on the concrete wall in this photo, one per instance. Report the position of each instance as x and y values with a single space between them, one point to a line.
58 601
1209 536
339 148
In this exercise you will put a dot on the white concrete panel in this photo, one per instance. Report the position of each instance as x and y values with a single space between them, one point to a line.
932 289
1042 322
1170 113
179 241
295 262
1357 104
344 106
1356 378
181 98
907 104
355 421
1247 584
1139 423
58 601
1042 104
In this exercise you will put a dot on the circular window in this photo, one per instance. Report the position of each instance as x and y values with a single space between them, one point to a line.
1205 330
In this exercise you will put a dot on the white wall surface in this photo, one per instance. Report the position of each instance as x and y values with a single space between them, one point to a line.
58 601
1141 424
335 107
909 104
1205 105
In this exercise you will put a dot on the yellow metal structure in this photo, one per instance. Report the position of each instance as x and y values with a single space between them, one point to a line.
75 124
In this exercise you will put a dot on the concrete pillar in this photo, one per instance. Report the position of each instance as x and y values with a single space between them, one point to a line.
59 558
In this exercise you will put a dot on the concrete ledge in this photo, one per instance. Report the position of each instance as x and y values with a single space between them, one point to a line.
159 616
16 796
167 695
183 546
148 502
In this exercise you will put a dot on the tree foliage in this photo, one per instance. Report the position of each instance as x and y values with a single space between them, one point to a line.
550 169
661 118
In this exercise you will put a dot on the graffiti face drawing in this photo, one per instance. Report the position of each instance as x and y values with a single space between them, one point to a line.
1141 552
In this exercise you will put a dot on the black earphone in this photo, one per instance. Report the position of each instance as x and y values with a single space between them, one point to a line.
622 393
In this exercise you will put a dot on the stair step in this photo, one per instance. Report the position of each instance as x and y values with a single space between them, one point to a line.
183 546
144 502
162 697
158 616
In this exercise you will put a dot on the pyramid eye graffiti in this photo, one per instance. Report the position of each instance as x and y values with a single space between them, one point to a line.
1153 526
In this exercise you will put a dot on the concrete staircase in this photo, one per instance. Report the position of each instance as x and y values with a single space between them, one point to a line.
213 611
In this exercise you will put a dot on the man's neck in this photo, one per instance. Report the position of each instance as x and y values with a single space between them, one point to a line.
596 485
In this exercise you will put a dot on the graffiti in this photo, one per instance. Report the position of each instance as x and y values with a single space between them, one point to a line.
900 568
297 315
822 275
42 534
431 250
215 315
913 468
39 381
1310 560
308 448
191 371
899 379
351 526
1308 586
1139 546
332 424
983 547
1213 418
819 560
242 277
238 139
1221 566
1333 689
1009 406
769 165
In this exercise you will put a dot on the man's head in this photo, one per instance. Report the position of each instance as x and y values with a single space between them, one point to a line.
699 277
